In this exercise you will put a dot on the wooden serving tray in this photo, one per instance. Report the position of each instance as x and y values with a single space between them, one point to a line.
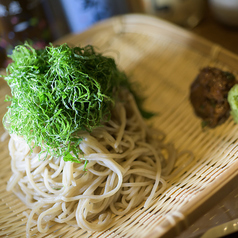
164 59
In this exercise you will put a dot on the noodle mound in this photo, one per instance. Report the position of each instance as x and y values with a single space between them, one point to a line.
124 170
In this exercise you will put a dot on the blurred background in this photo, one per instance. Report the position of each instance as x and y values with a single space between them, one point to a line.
43 21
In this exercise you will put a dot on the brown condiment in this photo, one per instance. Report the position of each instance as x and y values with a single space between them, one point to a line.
208 95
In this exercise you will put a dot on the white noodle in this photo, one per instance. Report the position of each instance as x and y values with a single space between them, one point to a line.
124 170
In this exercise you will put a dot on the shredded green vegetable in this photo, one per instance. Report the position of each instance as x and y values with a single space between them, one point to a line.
233 102
58 91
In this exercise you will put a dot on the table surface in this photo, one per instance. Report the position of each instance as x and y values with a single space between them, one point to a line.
218 33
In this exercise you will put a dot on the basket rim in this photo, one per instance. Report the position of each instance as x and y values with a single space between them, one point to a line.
154 26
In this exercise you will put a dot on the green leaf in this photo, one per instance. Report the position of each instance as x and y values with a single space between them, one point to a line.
69 157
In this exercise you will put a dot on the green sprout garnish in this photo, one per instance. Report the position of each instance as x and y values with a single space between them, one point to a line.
58 91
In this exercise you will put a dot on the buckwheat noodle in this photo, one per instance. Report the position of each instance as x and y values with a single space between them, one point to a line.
126 165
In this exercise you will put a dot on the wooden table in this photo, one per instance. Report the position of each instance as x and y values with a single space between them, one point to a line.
218 33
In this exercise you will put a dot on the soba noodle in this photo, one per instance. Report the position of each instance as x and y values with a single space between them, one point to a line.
126 165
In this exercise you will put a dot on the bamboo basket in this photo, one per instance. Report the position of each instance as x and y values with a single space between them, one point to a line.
164 59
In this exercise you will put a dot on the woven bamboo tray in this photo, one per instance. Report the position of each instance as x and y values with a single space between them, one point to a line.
164 59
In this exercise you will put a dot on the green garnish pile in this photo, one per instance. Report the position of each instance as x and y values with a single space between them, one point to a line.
233 102
58 91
